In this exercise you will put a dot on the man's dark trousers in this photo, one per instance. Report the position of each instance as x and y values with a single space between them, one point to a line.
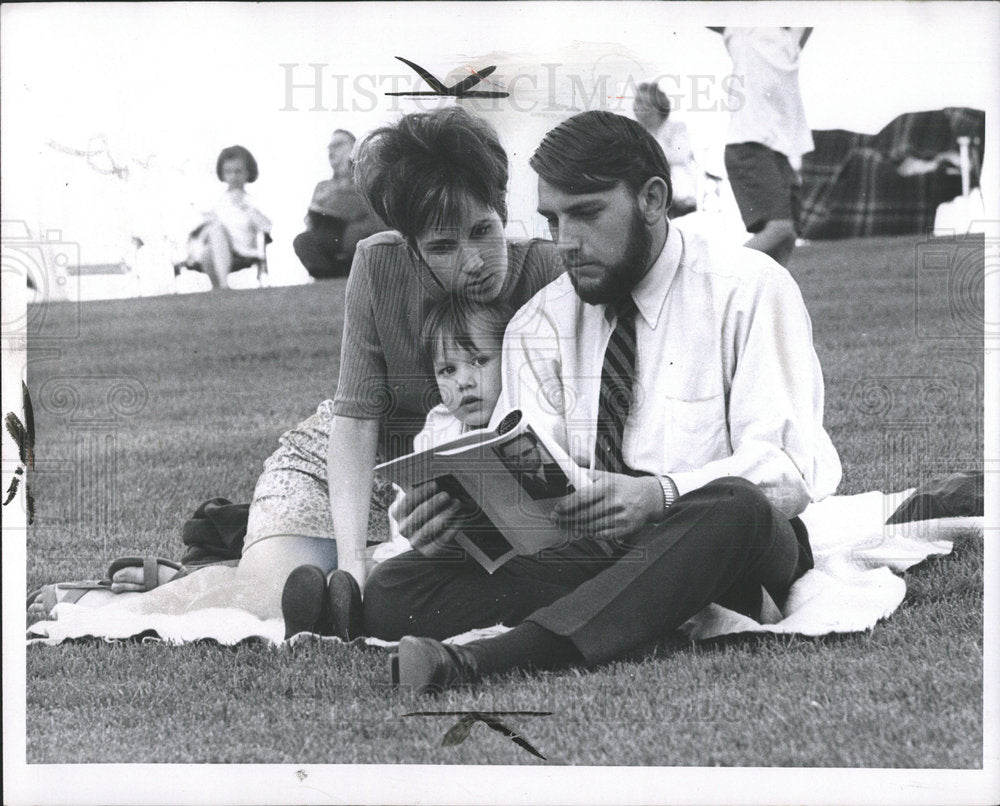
719 543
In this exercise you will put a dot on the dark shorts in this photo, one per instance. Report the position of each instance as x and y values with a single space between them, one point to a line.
764 184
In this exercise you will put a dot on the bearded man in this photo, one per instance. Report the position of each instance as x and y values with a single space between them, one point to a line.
682 374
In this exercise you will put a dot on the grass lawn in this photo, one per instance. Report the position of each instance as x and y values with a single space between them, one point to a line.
157 404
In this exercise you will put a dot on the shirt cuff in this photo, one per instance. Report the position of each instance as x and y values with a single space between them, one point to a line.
687 480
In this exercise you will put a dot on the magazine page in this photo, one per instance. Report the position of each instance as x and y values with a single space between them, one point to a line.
517 482
507 484
415 468
515 420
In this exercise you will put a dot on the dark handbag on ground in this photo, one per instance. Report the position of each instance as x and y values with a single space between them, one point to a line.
214 534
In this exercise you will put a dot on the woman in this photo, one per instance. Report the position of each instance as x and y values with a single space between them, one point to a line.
440 180
234 231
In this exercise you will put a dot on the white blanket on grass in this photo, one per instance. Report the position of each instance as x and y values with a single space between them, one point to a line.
851 587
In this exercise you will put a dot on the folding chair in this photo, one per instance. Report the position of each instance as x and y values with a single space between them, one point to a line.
263 239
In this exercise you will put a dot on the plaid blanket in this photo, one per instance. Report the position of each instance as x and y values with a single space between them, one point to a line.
855 185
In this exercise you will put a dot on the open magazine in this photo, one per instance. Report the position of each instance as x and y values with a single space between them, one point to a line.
507 481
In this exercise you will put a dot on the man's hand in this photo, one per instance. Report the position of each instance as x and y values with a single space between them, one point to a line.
613 507
425 518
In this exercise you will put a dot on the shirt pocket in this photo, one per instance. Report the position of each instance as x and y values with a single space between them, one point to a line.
696 430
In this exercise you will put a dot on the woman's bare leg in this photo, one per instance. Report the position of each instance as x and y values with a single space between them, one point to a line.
217 256
267 563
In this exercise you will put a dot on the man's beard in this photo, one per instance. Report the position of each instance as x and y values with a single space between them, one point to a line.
619 280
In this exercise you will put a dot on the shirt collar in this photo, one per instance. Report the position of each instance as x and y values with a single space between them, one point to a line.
650 293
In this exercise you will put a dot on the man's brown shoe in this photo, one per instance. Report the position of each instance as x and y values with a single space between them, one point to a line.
427 666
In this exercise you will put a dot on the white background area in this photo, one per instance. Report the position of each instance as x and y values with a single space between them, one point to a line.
153 91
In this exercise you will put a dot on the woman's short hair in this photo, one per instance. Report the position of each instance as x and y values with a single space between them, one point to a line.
237 152
595 150
455 318
423 169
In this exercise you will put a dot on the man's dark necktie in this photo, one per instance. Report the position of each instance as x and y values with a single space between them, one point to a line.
616 397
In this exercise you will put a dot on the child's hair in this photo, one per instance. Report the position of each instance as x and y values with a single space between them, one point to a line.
237 152
455 318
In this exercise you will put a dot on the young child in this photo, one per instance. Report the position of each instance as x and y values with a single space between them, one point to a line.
230 237
465 340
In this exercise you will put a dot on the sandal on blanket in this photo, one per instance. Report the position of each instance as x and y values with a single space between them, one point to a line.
152 573
41 600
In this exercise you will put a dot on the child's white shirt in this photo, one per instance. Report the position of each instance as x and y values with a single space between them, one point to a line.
439 427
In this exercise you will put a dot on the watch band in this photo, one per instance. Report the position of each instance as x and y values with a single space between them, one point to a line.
669 491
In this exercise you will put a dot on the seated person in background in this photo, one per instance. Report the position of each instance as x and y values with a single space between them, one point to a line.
229 236
652 110
338 216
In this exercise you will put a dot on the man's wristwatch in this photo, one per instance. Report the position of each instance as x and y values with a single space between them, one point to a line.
669 491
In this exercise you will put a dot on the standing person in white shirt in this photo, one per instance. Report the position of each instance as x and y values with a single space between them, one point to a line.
768 134
718 443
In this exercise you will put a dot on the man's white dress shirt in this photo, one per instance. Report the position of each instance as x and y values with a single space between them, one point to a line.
728 380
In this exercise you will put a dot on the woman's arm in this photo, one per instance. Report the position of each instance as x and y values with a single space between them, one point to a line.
350 469
260 221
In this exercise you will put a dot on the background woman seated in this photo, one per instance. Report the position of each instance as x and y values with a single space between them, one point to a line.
234 232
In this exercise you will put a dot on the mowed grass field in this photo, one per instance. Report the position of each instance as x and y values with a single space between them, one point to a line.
152 405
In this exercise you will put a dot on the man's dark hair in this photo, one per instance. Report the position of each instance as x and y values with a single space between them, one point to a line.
237 152
595 150
422 170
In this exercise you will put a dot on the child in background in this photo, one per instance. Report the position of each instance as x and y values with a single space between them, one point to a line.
229 237
466 340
